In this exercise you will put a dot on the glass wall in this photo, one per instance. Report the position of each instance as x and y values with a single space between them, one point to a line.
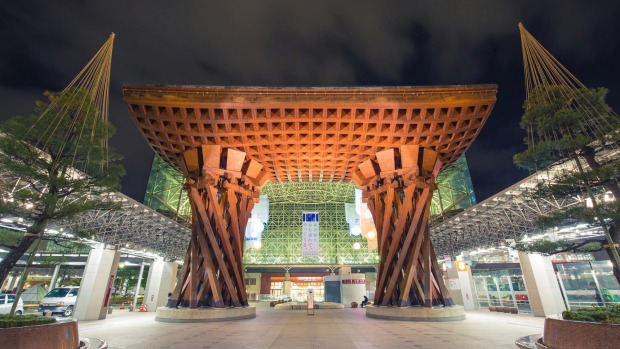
501 288
281 239
299 291
588 283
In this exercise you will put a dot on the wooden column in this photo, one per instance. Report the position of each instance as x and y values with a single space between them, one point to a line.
398 187
222 186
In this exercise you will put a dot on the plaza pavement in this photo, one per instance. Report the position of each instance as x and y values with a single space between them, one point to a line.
339 328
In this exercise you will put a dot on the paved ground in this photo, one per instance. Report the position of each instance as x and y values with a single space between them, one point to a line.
342 328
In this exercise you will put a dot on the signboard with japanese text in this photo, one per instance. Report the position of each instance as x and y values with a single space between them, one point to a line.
354 281
310 234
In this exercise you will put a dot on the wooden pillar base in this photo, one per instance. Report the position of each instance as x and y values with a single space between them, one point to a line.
398 186
433 314
222 187
204 315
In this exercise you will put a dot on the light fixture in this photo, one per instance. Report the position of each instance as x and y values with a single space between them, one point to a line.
257 244
461 265
356 245
371 235
367 214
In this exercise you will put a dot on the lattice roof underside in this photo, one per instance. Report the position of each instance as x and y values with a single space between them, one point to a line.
310 134
509 214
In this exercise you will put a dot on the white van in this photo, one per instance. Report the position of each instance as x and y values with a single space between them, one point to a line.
6 303
60 300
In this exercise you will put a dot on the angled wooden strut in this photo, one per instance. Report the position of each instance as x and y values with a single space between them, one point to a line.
398 185
222 187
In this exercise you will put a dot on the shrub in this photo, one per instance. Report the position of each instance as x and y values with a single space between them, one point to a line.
24 320
610 315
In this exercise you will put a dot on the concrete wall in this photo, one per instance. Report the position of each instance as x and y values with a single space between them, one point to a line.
253 290
99 274
160 281
351 290
541 283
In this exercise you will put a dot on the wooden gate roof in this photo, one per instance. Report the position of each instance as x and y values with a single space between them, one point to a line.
310 134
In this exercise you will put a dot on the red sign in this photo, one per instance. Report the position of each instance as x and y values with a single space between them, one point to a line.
354 281
108 291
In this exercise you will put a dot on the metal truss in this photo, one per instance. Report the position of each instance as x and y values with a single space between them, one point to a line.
454 193
164 192
310 192
281 240
134 228
507 215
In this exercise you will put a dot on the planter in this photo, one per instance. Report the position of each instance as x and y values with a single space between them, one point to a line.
61 335
567 334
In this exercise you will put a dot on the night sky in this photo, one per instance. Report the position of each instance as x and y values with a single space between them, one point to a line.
313 43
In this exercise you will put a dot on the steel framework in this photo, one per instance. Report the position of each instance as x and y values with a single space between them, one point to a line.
164 192
281 240
135 228
507 215
455 191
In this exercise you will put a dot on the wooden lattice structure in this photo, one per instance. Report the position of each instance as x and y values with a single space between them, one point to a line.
222 187
398 186
309 134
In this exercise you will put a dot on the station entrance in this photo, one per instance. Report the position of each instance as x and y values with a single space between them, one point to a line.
299 287
391 142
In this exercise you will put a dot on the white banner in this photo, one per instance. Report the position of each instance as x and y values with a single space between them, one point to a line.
309 234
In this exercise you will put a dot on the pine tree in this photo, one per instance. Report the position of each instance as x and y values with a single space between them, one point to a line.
69 171
575 125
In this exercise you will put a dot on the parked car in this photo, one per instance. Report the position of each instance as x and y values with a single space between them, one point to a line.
6 302
60 300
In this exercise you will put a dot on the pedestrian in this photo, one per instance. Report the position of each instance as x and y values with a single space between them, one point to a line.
597 293
365 301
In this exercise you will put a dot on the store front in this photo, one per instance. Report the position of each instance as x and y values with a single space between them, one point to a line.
584 281
501 285
588 282
274 286
300 285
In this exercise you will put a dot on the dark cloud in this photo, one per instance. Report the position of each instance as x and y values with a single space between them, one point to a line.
318 43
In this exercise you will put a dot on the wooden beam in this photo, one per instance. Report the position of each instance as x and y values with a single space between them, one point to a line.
224 269
409 155
190 158
234 159
387 160
413 231
211 155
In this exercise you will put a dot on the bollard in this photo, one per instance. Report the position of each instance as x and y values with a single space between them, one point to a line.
48 313
110 310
